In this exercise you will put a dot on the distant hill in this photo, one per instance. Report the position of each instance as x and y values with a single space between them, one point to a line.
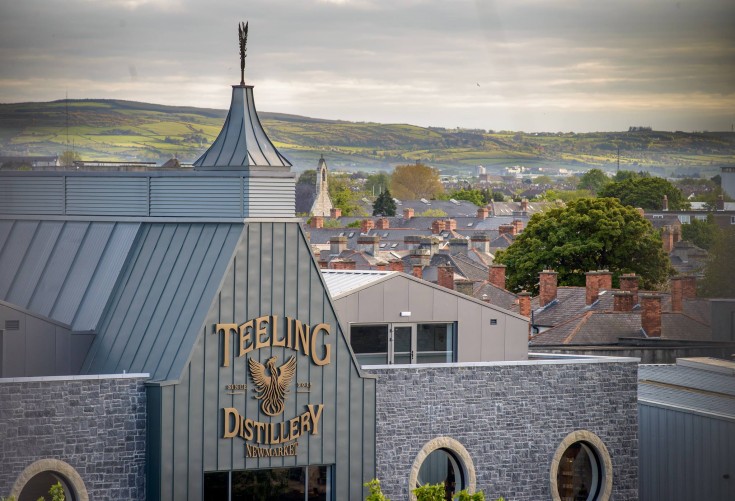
103 129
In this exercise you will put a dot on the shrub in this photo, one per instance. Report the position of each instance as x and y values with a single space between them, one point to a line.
375 493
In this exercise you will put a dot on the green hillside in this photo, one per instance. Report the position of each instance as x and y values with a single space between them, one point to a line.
126 130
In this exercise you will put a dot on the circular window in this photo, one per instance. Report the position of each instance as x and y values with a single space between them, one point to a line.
37 478
443 460
40 485
581 469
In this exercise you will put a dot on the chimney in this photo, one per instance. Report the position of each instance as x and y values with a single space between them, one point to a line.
369 244
547 286
381 266
506 229
458 245
623 301
517 226
437 226
417 271
335 213
720 203
524 205
366 225
464 286
665 203
481 242
407 213
689 288
317 222
337 244
482 213
412 241
383 224
604 280
592 287
395 265
497 275
445 276
431 244
524 303
629 282
323 264
450 224
342 264
651 314
667 237
677 293
420 257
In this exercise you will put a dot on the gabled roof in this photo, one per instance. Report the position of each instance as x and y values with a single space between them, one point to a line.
485 291
63 270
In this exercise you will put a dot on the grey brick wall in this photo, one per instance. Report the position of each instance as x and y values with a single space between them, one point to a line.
510 418
95 425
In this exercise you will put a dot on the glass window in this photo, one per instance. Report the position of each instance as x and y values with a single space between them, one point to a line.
579 474
40 484
434 343
370 343
312 483
442 467
216 485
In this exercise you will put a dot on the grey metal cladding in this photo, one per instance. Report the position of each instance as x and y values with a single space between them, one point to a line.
119 196
269 197
272 271
64 270
26 195
242 142
200 196
155 315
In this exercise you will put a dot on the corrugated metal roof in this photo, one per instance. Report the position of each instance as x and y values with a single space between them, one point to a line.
688 377
173 274
342 281
64 270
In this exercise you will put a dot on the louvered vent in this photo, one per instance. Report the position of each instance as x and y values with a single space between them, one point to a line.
12 325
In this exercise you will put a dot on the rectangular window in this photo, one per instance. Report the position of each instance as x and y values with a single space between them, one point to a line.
732 219
685 218
370 343
311 483
403 343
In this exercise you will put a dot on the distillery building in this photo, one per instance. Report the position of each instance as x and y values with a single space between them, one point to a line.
168 335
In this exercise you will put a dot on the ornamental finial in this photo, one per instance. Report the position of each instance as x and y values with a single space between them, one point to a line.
242 30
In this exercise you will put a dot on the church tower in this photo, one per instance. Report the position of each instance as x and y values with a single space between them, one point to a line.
322 203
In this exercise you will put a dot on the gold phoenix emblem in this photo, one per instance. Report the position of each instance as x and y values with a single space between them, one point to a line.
272 390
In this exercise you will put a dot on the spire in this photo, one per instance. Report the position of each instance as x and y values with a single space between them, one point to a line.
242 143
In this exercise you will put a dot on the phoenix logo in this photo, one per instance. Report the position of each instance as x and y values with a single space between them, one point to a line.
272 390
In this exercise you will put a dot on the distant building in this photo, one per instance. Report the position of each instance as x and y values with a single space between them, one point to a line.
322 203
728 180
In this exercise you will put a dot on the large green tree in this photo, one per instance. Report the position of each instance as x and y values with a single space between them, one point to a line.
414 181
588 234
719 272
645 192
701 233
344 196
377 183
384 205
593 180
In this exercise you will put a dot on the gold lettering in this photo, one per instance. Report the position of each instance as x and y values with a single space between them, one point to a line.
248 433
305 422
315 417
289 338
327 347
226 328
246 345
302 334
274 332
261 329
273 439
231 415
259 431
293 428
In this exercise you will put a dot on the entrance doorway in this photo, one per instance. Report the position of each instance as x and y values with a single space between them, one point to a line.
308 483
403 343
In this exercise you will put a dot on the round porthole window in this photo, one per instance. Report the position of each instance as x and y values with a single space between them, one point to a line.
36 480
444 461
581 469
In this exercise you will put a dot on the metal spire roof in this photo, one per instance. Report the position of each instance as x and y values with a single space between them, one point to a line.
242 142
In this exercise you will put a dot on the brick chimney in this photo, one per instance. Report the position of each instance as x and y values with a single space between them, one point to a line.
369 244
665 203
497 275
437 226
412 241
524 205
623 301
482 213
677 293
547 286
407 213
323 264
629 282
417 271
445 276
481 242
506 229
524 303
381 266
604 280
317 222
592 287
335 212
337 244
383 224
366 225
342 264
689 288
720 203
450 224
395 265
464 286
667 238
651 314
431 244
421 257
458 245
517 226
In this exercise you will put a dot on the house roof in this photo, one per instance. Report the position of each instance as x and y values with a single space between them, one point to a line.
486 291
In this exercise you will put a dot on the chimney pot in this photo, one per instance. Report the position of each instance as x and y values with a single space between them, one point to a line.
629 282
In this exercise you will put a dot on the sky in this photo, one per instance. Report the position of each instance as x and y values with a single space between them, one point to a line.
530 65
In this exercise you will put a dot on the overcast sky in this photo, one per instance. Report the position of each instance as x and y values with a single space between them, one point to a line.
533 65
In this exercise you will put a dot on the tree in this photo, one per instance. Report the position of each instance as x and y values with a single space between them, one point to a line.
411 182
68 157
593 180
308 177
377 183
700 233
645 192
720 268
342 195
588 234
474 196
384 205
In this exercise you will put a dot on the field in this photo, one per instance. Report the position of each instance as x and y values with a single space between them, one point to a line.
125 130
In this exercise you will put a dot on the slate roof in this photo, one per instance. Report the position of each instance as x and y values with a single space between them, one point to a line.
63 270
485 291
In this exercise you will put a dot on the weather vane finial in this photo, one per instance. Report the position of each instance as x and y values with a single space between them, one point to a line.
242 30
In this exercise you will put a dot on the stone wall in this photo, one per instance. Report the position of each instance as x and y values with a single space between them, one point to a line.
95 425
510 418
